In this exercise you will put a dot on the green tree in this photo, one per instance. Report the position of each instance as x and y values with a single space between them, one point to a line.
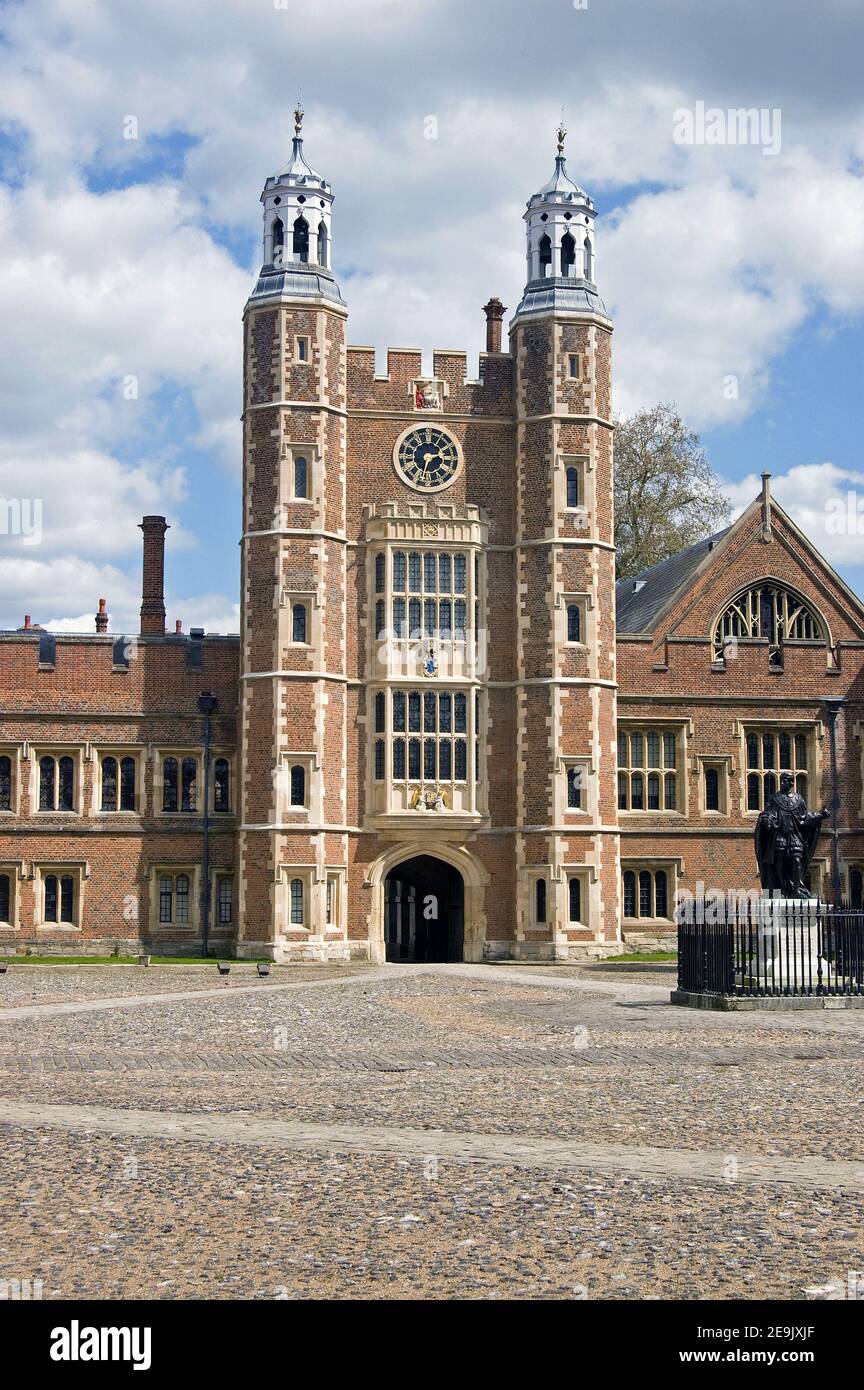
667 496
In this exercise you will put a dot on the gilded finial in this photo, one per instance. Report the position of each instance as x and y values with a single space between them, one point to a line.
298 115
561 133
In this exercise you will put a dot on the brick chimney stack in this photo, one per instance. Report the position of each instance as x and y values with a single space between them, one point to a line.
494 312
102 617
153 585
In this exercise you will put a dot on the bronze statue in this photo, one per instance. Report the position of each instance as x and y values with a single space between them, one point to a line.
786 835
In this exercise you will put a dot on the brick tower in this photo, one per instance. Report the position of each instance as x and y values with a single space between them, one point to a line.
292 734
565 771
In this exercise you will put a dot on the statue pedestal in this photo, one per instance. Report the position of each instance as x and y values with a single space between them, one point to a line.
785 950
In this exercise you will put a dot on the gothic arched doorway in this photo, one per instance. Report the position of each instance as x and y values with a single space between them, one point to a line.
424 902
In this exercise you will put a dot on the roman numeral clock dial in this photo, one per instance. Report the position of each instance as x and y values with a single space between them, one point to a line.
427 458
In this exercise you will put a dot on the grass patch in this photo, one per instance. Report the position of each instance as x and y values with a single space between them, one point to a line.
641 955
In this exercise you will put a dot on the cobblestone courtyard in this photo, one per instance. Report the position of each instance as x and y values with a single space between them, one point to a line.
421 1132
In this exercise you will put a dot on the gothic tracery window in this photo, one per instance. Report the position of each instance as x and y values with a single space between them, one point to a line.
769 612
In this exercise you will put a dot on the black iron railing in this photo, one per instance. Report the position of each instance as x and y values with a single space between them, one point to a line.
760 947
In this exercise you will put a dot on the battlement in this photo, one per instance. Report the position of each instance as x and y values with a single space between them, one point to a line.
406 389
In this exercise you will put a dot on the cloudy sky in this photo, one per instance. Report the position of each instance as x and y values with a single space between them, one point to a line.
734 271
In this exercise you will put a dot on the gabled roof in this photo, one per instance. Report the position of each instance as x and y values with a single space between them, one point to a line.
640 600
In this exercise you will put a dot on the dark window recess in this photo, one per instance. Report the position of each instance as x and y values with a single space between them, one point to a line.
5 898
221 786
195 649
109 784
575 904
189 800
47 649
120 653
169 784
298 786
540 900
5 785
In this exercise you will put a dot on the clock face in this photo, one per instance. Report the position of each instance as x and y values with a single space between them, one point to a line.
427 458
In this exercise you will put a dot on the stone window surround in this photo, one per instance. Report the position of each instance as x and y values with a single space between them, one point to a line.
813 728
193 872
585 763
42 869
587 478
311 598
118 751
584 600
79 753
14 868
311 809
672 868
14 752
557 878
723 762
309 875
197 752
682 727
290 451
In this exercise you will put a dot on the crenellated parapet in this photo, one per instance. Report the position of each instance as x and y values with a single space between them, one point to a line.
448 391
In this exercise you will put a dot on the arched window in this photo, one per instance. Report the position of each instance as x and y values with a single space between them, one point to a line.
540 900
278 242
568 254
298 622
181 886
712 789
189 786
544 246
297 902
768 612
301 239
5 899
221 786
589 258
574 890
322 244
572 487
298 786
629 893
574 788
169 784
5 785
301 477
127 784
574 623
109 784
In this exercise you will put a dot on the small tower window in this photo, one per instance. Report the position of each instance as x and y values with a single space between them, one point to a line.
568 254
574 889
298 623
540 899
298 786
574 623
589 259
544 248
574 788
301 239
322 244
301 477
572 487
278 242
297 902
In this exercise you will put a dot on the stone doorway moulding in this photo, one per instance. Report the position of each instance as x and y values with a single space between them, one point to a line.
474 877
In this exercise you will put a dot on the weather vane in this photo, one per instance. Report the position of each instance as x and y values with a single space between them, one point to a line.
298 113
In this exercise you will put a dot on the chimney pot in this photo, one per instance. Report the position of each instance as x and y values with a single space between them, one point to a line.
178 626
102 616
494 312
153 582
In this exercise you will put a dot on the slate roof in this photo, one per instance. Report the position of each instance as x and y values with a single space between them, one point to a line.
639 600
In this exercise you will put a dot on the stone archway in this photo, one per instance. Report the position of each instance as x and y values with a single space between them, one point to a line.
424 900
474 880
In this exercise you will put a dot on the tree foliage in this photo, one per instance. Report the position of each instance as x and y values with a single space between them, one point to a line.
666 493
